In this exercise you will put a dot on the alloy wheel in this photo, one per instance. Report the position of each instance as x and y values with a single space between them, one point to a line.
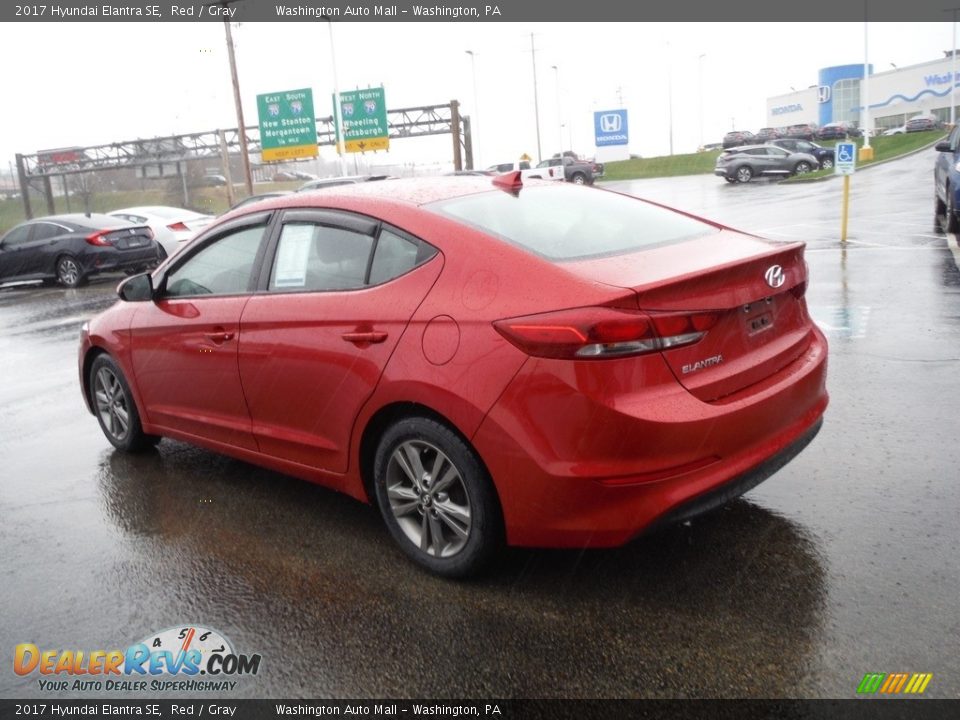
68 272
112 405
428 498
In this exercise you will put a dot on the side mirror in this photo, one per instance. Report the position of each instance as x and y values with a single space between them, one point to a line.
138 288
943 146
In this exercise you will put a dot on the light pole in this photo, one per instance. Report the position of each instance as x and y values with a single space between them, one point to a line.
700 68
556 71
536 102
475 132
338 133
866 152
953 71
670 95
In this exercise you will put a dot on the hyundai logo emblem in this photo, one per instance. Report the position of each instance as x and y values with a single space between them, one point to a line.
775 276
610 123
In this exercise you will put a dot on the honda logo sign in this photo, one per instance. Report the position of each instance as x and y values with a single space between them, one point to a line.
610 127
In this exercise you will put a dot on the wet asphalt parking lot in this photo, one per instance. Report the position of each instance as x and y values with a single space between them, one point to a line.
845 562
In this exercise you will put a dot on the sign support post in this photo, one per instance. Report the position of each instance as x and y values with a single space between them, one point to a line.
845 163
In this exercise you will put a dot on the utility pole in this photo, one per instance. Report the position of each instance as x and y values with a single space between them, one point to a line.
339 135
476 106
241 129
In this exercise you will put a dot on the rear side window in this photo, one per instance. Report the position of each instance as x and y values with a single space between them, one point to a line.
316 257
570 223
312 256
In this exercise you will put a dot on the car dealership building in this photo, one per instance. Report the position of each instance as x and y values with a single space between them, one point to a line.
895 96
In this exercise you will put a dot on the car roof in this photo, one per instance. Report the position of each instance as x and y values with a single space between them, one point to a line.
81 220
741 148
406 191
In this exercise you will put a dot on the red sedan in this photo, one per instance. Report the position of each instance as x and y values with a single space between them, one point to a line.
545 365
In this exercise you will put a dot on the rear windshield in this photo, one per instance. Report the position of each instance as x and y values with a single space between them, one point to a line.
562 222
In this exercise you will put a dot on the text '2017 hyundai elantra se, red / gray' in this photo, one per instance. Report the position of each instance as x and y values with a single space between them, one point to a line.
488 361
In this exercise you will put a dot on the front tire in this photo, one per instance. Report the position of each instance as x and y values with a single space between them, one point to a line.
436 498
69 273
950 222
826 163
113 405
802 168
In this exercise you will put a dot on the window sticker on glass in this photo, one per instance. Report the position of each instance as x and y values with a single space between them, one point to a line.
290 270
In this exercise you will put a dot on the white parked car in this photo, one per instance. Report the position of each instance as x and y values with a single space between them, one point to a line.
896 130
527 172
171 226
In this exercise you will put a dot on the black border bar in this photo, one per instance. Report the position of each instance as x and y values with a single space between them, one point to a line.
153 11
167 709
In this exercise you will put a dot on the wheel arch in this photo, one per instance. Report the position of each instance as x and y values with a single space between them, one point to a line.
93 353
392 413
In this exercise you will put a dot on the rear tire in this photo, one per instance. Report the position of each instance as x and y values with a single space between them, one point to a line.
826 163
69 273
578 179
436 498
744 174
114 407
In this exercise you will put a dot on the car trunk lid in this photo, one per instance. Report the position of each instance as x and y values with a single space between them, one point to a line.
752 288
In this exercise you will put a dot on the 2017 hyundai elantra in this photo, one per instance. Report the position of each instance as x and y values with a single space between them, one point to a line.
488 362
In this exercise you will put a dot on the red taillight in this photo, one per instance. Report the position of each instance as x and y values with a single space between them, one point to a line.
149 232
178 227
602 332
99 239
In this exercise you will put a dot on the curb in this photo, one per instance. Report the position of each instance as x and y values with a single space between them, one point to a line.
799 181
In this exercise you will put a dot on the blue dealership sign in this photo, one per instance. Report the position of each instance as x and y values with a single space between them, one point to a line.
610 127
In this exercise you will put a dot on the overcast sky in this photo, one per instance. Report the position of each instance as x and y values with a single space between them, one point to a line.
88 83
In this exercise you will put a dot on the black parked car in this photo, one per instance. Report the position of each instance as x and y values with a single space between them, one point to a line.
69 248
824 155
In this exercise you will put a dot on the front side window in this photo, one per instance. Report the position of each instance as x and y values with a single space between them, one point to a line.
221 268
17 236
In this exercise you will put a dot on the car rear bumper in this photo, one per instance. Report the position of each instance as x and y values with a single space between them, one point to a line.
110 259
576 471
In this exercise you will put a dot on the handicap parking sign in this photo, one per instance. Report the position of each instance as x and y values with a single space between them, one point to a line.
846 158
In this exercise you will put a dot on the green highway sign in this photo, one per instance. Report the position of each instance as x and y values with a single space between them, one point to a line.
288 128
364 116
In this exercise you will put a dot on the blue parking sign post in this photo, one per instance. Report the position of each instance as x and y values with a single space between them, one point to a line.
845 163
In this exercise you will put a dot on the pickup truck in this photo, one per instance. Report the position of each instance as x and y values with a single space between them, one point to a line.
540 172
575 170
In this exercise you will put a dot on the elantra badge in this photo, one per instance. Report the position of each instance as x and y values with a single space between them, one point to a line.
775 276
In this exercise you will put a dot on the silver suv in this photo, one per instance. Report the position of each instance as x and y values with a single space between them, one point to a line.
743 163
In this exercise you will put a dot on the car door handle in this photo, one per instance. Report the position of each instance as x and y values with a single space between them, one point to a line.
359 338
220 337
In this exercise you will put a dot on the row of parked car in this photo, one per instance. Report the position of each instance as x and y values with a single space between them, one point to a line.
68 249
802 131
